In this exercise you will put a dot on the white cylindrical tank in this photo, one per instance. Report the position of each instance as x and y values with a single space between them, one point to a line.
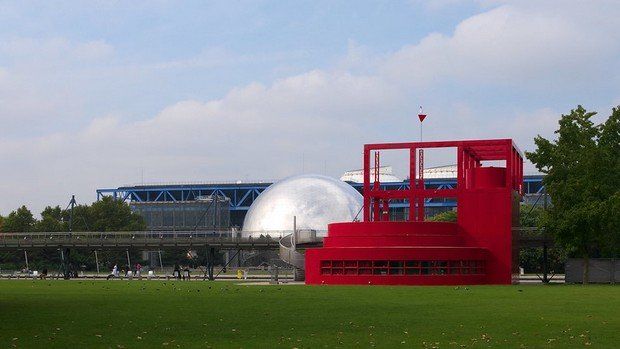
315 200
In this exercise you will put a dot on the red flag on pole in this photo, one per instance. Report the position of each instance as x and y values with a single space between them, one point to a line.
421 115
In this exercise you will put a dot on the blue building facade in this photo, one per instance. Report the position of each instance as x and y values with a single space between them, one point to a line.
242 195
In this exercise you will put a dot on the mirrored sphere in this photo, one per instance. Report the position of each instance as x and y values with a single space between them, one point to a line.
315 200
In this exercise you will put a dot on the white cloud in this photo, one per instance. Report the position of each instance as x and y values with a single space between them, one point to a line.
53 51
93 50
41 82
509 45
436 5
253 132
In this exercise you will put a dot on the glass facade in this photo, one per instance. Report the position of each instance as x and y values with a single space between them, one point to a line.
205 213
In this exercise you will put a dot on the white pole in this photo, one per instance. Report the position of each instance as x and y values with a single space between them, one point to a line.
62 257
26 256
161 266
97 261
294 240
128 261
421 115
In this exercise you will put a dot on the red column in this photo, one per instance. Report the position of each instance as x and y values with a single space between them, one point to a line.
421 184
509 165
412 183
366 184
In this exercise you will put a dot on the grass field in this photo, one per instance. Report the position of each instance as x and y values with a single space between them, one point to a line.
158 314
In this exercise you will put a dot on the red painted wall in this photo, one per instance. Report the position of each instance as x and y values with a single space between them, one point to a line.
477 249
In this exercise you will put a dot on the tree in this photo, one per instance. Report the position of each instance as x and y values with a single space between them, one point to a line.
447 216
582 180
530 215
109 214
81 220
610 148
51 220
20 220
530 258
105 215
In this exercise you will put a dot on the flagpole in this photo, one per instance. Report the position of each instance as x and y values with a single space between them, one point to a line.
421 116
420 201
421 123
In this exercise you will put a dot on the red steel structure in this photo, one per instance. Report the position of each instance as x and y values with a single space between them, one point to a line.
478 249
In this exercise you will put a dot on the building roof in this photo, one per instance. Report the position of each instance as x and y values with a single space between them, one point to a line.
357 176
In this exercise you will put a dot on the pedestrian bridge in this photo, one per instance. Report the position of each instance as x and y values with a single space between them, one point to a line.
273 240
145 239
290 244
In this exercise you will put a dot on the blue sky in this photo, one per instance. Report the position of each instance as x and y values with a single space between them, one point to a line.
232 45
106 93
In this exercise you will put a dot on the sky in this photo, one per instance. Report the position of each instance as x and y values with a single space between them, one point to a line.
101 94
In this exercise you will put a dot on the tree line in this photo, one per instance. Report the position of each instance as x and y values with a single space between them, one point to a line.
106 214
582 178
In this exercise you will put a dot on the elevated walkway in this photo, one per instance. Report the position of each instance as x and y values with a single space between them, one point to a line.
290 247
292 244
141 239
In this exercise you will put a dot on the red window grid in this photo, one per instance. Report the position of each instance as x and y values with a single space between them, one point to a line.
402 267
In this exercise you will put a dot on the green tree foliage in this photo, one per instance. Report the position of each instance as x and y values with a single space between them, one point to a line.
531 216
531 258
583 181
109 215
610 152
104 215
51 220
18 221
447 216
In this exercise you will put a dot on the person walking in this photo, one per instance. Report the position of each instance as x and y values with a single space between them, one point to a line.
114 272
138 270
177 271
186 273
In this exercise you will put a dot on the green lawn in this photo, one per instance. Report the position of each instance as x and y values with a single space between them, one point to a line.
158 314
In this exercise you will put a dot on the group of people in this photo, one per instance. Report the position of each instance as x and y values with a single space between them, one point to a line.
137 271
176 273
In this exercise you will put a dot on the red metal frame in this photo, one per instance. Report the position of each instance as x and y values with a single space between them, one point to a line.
487 204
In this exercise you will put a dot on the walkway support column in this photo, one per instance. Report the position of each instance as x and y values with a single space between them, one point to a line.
210 262
97 261
128 261
66 263
545 262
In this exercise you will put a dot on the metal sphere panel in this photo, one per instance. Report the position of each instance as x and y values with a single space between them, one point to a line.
315 200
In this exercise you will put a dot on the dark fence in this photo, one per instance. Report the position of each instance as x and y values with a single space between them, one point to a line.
601 270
